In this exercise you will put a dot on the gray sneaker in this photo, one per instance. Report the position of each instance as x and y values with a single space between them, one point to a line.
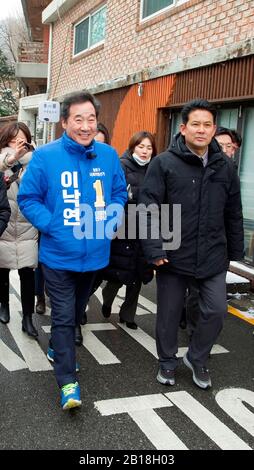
166 376
200 375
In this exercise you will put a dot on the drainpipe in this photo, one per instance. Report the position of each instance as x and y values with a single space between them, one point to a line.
45 125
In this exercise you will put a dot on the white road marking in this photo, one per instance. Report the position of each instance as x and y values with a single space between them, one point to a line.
207 422
142 338
98 350
150 345
35 358
141 410
148 304
15 281
232 402
119 300
9 359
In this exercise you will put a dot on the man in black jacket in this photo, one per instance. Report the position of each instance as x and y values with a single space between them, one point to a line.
5 210
195 174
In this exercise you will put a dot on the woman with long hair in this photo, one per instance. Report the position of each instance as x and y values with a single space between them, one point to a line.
18 244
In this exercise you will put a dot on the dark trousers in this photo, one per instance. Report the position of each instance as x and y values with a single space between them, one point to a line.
171 289
68 292
192 306
26 288
39 281
129 306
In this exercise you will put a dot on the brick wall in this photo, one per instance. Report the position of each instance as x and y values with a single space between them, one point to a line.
189 29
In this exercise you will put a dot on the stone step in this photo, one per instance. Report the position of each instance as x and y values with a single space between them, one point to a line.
236 283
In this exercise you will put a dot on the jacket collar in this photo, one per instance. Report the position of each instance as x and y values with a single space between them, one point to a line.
73 147
179 148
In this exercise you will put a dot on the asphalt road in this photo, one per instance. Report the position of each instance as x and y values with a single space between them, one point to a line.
124 408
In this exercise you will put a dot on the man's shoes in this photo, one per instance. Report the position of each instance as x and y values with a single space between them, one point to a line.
51 354
4 313
166 376
130 324
78 336
200 375
40 306
106 311
28 327
70 396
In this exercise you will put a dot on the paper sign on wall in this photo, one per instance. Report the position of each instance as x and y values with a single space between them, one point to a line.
49 111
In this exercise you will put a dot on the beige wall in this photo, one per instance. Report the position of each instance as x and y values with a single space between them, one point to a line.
192 28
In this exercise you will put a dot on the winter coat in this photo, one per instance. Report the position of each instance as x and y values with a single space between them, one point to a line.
5 210
18 244
68 193
127 262
211 210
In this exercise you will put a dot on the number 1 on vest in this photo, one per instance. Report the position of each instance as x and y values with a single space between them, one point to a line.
99 194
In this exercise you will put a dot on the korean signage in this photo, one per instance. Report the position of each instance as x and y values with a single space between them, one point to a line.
49 111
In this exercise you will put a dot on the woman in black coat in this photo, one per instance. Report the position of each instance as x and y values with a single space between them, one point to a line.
5 210
127 264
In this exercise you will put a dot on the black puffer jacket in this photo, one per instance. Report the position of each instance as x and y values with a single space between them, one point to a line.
127 262
211 210
5 210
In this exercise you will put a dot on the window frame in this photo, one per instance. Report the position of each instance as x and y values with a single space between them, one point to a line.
89 47
153 15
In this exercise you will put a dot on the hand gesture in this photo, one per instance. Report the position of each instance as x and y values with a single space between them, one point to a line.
20 149
160 262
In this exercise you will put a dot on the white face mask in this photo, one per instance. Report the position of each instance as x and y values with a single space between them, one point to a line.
140 161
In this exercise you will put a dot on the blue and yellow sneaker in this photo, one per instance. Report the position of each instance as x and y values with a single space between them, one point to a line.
70 396
50 356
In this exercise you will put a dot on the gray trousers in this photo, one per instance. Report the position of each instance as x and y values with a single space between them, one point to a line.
192 307
171 289
129 306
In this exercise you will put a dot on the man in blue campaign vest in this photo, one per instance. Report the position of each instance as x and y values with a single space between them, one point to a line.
70 191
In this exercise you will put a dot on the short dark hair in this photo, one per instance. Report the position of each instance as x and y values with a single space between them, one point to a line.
193 105
101 128
224 131
78 97
9 132
138 137
237 139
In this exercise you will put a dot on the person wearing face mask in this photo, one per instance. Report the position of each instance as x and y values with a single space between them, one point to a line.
127 265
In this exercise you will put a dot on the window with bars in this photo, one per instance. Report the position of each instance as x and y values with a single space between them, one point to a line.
150 7
90 31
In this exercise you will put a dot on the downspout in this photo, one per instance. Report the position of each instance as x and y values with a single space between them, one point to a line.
45 125
49 56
